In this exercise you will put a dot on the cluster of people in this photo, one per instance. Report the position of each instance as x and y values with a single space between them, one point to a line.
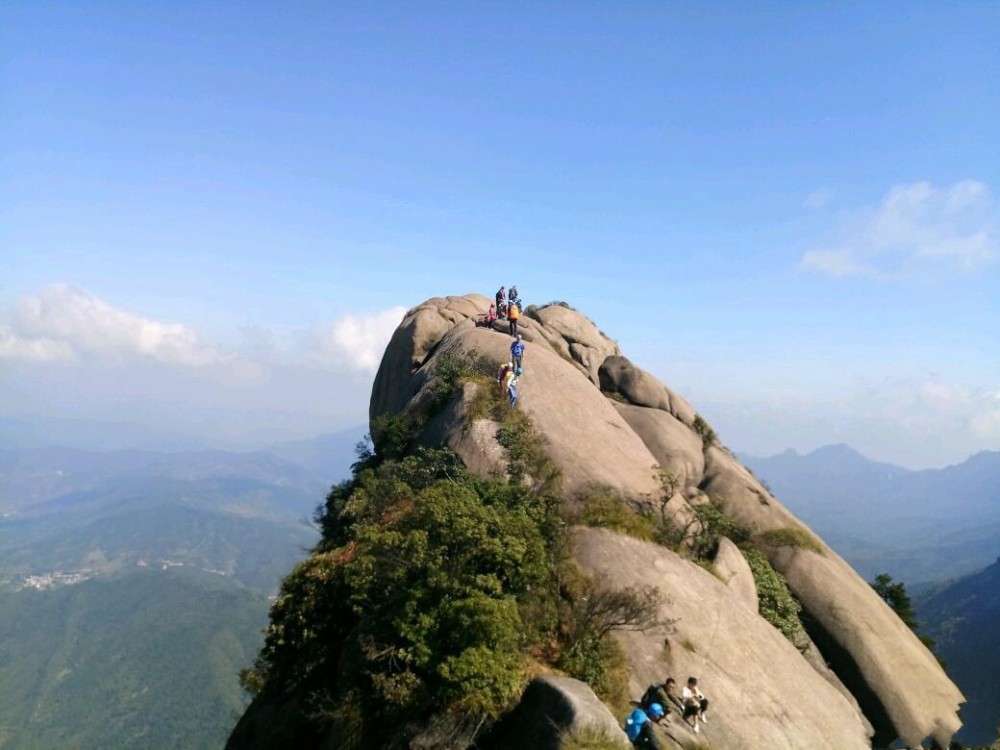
657 702
507 307
509 372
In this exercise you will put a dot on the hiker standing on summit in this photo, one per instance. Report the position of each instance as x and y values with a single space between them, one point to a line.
513 313
501 297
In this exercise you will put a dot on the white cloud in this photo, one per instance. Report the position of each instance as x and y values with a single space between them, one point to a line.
916 223
63 323
357 342
14 347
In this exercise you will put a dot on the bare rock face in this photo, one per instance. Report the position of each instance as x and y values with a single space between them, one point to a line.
581 428
551 708
605 421
735 572
876 656
760 692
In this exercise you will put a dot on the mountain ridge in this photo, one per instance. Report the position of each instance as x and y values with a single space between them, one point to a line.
607 424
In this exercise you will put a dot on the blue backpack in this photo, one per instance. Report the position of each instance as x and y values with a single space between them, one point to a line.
634 722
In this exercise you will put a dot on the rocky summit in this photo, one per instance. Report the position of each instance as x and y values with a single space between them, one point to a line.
856 677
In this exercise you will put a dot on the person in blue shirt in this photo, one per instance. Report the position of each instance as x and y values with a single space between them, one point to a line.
517 350
639 727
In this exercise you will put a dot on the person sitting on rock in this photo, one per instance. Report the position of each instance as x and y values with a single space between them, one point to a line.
695 703
491 315
517 350
639 727
665 694
675 700
513 313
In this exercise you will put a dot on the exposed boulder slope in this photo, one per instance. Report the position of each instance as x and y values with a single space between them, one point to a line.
607 422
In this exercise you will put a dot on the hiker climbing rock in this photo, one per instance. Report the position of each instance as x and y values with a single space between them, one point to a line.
517 350
510 381
506 369
491 316
639 727
513 313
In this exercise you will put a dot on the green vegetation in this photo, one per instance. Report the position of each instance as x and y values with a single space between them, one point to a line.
708 436
698 538
433 591
894 594
603 508
142 660
456 366
790 536
777 605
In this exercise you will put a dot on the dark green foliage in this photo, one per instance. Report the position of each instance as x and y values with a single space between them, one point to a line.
894 594
432 589
705 430
777 605
391 437
143 660
713 524
422 575
527 460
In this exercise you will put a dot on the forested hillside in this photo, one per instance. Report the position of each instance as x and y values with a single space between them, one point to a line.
134 585
964 619
145 660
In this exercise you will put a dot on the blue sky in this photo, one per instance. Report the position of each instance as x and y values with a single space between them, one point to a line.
786 211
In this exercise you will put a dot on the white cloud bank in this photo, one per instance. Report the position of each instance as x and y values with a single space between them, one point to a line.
64 323
916 223
357 342
67 354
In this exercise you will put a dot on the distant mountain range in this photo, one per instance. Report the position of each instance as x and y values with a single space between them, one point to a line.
134 584
964 618
927 525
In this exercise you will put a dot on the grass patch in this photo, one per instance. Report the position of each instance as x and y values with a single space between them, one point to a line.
454 367
487 402
710 567
603 508
789 536
704 429
592 737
